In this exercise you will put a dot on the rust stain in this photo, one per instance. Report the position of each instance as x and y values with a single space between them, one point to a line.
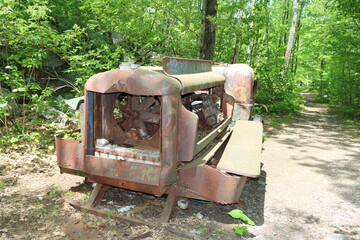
141 123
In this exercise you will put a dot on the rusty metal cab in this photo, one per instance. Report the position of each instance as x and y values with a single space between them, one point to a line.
162 130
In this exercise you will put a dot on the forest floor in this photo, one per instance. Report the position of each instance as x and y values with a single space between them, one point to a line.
308 189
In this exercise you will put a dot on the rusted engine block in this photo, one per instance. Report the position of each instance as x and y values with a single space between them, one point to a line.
163 129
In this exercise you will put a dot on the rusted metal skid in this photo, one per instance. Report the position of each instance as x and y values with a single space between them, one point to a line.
162 130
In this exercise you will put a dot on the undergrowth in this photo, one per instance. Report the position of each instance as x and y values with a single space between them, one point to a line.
36 133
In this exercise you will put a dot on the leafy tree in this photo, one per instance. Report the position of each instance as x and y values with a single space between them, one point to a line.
208 31
330 54
51 47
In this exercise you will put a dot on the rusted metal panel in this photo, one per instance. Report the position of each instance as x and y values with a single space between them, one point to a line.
144 156
169 125
107 82
124 170
213 184
138 81
243 151
241 86
239 81
69 153
176 66
199 81
131 185
188 123
241 111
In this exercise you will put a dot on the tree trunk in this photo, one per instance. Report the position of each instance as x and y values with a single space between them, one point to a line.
236 50
284 21
236 55
207 37
292 32
249 46
297 38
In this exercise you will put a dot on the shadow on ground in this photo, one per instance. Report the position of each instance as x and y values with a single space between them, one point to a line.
319 141
149 207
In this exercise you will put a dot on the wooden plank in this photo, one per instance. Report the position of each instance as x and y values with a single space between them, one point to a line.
103 213
168 209
242 154
94 194
121 218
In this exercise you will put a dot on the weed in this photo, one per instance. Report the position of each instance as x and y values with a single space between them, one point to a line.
240 230
46 210
55 190
238 214
86 197
69 195
110 215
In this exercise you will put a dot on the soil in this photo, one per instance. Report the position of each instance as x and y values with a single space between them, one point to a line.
308 189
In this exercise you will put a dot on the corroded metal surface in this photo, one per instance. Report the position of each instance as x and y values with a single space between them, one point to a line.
212 184
173 66
197 81
240 84
123 170
245 141
155 130
69 154
145 156
188 122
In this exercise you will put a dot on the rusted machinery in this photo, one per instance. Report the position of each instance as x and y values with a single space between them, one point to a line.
183 129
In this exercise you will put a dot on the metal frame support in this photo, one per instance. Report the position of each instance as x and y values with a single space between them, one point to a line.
168 209
97 194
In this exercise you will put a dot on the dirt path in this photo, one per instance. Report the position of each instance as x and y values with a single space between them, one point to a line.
312 179
308 189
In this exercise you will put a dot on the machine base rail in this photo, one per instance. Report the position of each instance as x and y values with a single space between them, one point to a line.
97 196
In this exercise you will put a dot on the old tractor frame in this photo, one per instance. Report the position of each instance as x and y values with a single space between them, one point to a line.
184 129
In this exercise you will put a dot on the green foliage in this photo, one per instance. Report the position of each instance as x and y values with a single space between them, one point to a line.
54 191
260 33
46 210
240 230
329 55
238 214
50 48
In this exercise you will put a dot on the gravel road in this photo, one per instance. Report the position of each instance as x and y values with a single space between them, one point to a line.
312 180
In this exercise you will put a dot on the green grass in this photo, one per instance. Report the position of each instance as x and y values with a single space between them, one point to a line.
274 122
